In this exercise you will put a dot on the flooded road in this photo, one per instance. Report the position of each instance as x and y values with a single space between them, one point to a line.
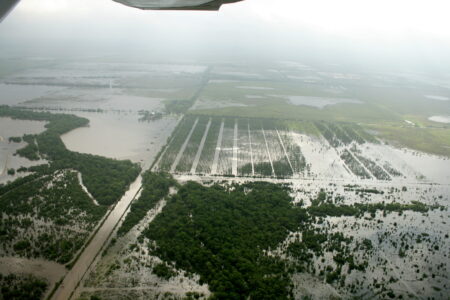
80 268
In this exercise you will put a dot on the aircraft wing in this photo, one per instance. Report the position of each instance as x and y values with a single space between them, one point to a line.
6 6
176 4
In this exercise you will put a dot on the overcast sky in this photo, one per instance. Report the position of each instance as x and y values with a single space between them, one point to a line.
404 30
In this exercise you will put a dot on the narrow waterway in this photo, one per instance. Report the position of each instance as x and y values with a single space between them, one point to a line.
77 272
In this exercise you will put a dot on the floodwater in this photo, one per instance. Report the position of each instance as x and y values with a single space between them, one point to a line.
95 98
210 104
255 88
11 94
10 127
88 255
318 102
440 119
48 270
15 128
120 136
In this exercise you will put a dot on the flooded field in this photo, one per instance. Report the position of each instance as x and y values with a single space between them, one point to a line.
12 94
396 250
400 253
91 99
91 86
318 102
248 147
120 136
100 74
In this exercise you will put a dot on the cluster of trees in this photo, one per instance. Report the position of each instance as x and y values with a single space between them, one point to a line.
323 207
55 199
357 190
15 139
314 242
106 179
155 186
391 170
263 168
328 134
221 233
354 165
339 133
246 169
31 151
147 116
296 156
375 169
189 153
343 134
21 287
175 141
351 130
282 168
163 271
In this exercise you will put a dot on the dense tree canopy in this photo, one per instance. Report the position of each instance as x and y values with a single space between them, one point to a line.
155 186
221 234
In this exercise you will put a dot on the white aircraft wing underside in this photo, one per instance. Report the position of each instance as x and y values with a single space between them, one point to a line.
7 5
176 4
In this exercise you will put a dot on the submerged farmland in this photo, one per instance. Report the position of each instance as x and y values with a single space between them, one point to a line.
270 148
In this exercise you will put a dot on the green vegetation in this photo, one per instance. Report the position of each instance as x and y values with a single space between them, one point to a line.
192 147
15 139
48 216
106 179
205 163
259 138
322 206
220 233
344 112
155 186
177 106
354 165
14 287
376 170
175 142
430 140
163 271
